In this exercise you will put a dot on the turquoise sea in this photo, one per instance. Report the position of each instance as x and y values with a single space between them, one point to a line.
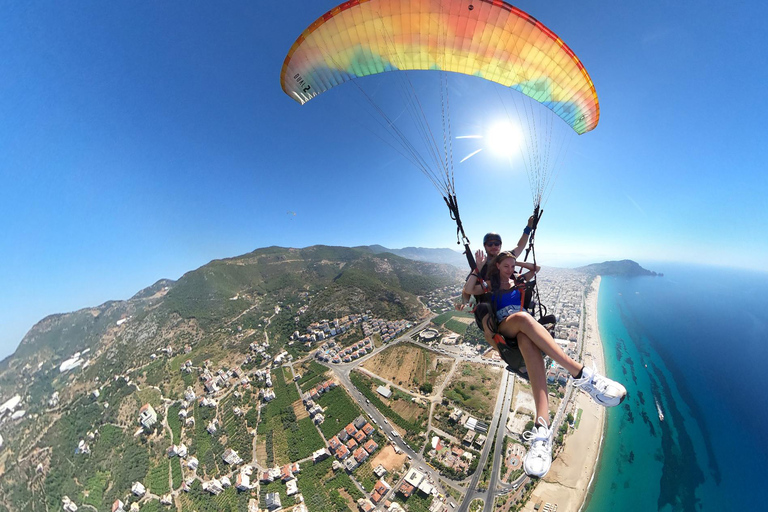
696 342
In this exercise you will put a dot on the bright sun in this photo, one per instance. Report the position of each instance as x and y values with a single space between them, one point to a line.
503 138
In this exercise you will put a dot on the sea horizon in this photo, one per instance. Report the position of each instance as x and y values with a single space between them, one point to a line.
689 341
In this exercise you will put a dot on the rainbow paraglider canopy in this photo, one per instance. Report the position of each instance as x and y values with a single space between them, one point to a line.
490 39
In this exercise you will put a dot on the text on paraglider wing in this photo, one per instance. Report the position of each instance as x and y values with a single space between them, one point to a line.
299 80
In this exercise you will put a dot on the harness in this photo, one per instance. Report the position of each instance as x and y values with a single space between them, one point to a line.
508 348
499 299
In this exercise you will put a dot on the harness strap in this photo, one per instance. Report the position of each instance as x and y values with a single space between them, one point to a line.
483 283
453 208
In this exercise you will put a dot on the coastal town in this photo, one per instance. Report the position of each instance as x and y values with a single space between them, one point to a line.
245 434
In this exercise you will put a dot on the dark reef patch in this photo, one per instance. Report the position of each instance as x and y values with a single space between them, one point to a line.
628 410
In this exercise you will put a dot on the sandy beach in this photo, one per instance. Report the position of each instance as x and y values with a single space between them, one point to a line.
567 482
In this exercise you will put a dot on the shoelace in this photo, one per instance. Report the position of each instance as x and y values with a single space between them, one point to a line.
586 380
533 435
594 384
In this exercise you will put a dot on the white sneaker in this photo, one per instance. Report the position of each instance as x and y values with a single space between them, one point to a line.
603 390
538 460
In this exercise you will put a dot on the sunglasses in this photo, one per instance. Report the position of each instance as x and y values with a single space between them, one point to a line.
493 244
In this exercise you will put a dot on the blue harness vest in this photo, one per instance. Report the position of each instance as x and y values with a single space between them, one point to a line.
507 303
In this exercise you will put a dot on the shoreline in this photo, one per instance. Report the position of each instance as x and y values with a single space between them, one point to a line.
573 471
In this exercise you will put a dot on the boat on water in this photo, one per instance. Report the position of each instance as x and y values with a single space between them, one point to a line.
658 409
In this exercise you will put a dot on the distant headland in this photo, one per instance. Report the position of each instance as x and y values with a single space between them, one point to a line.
627 268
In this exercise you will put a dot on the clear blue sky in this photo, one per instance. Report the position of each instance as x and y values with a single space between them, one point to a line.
140 140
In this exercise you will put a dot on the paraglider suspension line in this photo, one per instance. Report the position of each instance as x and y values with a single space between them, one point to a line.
537 213
461 237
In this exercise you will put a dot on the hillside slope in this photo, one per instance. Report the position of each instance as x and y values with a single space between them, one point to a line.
131 351
328 281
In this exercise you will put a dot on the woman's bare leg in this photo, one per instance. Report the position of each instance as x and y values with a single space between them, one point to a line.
534 363
524 323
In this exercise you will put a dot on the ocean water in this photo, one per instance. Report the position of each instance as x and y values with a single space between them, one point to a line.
696 342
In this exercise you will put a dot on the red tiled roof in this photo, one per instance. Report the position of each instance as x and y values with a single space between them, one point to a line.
360 455
371 446
381 487
342 452
406 489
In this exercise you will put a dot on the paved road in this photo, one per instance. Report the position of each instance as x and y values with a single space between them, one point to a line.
472 493
500 433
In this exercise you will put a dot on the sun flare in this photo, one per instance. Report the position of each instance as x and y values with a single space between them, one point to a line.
503 138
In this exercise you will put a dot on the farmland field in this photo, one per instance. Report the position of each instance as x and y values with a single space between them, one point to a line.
340 409
205 445
405 364
303 439
238 437
456 321
286 437
198 499
327 491
176 473
407 410
95 486
460 316
174 422
312 373
456 326
157 478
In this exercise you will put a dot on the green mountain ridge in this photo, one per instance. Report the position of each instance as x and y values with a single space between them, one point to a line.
202 302
627 268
